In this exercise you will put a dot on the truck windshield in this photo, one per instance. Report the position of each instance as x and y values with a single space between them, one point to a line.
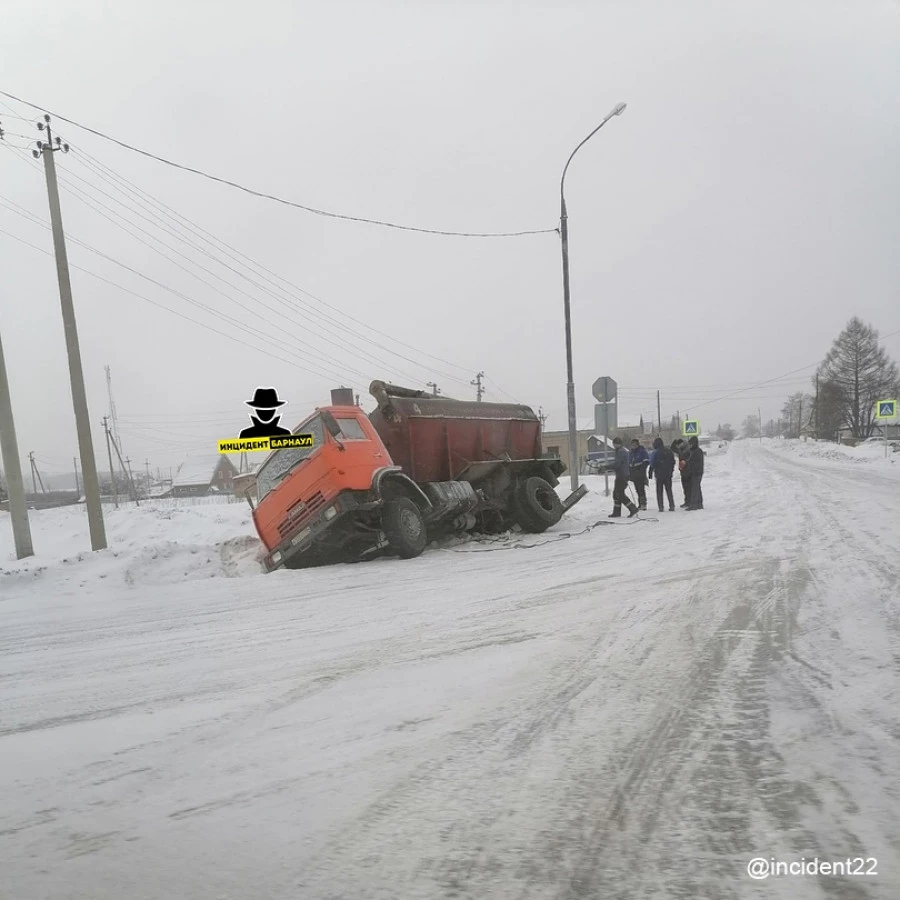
282 462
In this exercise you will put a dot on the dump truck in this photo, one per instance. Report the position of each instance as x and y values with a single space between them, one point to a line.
416 468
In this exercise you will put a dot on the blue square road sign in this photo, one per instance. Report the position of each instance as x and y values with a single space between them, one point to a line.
691 426
886 409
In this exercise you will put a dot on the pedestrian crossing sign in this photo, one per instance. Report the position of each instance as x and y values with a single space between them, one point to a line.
691 426
886 409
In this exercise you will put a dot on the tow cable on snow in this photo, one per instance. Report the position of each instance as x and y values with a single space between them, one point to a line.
505 539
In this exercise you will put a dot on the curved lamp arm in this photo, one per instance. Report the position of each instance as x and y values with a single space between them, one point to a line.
617 110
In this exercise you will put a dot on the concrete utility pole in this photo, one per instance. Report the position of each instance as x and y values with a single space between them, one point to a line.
33 481
76 374
479 390
800 419
112 473
434 388
147 464
658 415
759 413
9 449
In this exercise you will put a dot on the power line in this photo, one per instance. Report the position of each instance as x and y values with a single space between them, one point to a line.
291 203
267 351
200 232
343 345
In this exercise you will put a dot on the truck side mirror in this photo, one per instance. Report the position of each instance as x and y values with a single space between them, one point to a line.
333 428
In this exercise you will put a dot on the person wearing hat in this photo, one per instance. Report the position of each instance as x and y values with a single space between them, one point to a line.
265 418
694 471
623 472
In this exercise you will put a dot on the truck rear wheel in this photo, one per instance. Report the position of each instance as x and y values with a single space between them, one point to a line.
404 528
537 506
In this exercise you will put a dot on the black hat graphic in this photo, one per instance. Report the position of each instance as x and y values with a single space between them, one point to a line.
265 398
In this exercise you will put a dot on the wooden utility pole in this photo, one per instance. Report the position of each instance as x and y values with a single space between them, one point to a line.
35 471
658 415
479 390
759 413
76 374
817 406
126 469
9 450
112 473
800 418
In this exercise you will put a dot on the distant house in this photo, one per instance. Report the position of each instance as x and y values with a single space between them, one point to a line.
202 475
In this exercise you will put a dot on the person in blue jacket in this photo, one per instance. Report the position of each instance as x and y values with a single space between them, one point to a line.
662 465
638 461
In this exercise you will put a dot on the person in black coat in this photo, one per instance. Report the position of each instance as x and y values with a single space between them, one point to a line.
662 465
623 472
682 453
694 468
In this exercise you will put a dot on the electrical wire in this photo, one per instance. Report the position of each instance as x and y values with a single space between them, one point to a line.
203 234
112 178
343 345
273 197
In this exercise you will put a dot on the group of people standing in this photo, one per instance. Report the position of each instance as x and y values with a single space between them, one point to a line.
638 467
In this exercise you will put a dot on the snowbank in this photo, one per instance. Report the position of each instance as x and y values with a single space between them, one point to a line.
154 543
871 452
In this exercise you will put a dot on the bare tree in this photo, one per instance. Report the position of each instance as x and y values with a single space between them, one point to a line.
797 412
725 432
750 427
863 372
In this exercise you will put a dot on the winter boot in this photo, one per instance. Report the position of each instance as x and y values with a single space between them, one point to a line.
633 513
615 514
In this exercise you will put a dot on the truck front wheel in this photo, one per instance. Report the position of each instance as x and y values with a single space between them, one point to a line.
404 528
537 505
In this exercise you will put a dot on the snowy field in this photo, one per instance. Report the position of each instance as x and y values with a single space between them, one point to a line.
633 710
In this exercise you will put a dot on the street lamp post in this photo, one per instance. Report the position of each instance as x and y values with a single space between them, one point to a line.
564 235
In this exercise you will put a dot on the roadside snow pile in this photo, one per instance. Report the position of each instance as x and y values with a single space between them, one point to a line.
150 543
872 452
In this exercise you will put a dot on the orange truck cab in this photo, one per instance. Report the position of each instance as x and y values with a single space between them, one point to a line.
457 466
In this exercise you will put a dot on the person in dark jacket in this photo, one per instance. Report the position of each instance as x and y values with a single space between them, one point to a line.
682 454
622 471
662 465
694 468
638 461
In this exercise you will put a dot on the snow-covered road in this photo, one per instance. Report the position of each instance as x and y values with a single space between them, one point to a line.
633 712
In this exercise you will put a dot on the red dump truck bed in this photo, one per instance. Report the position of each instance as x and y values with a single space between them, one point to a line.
437 439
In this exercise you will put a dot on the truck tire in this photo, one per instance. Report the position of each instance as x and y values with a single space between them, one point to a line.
404 528
536 505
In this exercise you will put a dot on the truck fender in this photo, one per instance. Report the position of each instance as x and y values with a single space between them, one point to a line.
396 475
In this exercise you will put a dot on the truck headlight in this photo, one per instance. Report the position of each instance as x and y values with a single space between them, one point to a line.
276 557
330 513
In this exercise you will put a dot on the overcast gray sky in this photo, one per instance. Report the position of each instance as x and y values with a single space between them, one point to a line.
722 231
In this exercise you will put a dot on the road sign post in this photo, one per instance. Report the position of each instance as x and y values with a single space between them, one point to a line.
690 428
885 409
604 390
